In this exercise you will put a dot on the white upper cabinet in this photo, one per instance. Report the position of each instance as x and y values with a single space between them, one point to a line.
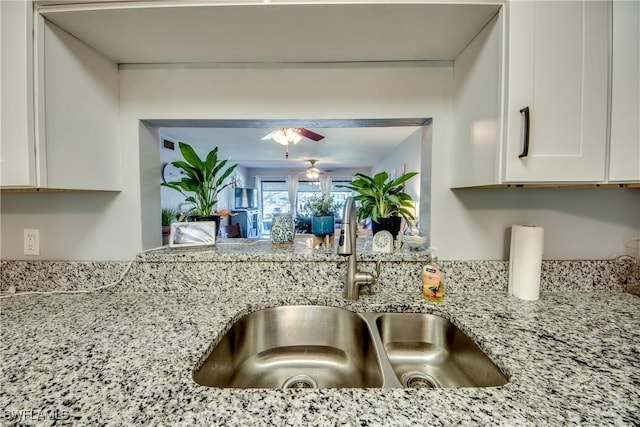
558 77
79 138
531 97
477 106
625 93
17 144
60 108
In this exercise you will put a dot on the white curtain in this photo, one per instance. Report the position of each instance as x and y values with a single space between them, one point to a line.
258 187
325 185
292 186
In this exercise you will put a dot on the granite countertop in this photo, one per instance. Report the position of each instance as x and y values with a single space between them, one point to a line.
126 358
254 249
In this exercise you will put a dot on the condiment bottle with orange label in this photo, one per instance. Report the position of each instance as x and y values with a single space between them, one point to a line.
432 279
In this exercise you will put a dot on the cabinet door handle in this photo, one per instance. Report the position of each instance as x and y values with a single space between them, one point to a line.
527 123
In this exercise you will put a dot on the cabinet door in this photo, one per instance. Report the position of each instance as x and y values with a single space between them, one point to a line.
252 224
625 93
558 68
17 144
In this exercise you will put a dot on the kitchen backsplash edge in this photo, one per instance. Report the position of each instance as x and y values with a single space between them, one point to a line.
323 276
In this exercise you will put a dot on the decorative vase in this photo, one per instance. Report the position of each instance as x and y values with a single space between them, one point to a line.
322 225
391 224
282 228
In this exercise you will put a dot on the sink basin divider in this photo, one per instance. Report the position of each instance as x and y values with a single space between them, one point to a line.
389 378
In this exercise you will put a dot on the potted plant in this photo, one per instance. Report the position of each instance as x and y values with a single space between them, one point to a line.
322 211
201 182
383 200
168 215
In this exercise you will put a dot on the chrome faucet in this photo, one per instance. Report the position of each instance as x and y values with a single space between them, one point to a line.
347 247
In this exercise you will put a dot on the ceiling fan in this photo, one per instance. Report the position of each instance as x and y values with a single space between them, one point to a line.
312 171
288 136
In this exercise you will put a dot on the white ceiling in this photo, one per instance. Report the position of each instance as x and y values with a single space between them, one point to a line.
341 147
221 31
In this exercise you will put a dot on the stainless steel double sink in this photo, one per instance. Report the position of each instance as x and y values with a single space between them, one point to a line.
328 347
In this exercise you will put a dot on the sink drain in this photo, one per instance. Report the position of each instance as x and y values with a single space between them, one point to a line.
419 380
300 381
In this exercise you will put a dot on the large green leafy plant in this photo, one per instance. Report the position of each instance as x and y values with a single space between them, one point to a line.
381 197
202 179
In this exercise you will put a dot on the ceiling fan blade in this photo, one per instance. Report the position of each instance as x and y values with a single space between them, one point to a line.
269 135
308 134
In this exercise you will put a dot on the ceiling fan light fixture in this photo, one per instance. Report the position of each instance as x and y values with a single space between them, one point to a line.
286 136
313 173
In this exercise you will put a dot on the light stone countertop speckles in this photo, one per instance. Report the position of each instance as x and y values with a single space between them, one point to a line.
125 356
264 250
126 359
207 270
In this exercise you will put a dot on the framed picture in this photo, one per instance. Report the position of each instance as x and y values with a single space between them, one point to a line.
189 234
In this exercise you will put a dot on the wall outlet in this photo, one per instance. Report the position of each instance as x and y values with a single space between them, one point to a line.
31 241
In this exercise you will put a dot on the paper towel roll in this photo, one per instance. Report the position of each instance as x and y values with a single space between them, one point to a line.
525 261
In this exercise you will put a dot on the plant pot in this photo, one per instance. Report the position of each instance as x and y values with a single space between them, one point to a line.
214 218
166 232
322 225
391 224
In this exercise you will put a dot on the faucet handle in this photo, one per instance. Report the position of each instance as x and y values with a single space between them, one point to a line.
374 277
377 276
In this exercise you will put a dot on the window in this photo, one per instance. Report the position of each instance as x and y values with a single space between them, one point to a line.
275 198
